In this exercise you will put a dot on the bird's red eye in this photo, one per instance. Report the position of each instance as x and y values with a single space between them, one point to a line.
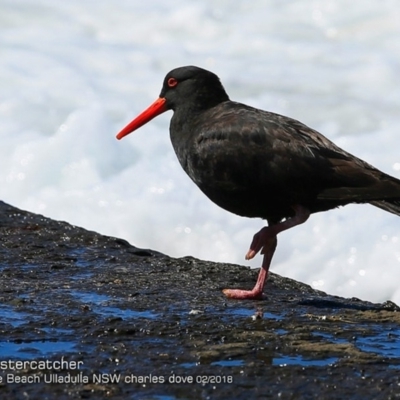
172 82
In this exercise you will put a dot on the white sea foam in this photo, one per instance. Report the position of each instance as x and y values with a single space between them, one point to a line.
73 73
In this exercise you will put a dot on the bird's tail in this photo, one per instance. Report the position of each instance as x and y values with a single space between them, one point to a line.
392 206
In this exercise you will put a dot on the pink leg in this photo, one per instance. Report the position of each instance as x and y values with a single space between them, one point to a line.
265 240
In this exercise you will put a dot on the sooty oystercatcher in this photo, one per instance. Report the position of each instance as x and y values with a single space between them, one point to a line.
256 163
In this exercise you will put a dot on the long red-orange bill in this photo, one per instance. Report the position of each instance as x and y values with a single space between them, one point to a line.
157 108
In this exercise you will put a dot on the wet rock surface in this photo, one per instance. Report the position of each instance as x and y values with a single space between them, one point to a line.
161 328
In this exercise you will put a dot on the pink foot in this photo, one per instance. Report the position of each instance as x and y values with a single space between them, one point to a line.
256 293
243 294
261 239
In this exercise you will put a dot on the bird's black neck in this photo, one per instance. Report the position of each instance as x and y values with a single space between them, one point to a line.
207 94
206 98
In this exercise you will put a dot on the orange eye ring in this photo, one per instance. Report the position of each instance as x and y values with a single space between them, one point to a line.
172 82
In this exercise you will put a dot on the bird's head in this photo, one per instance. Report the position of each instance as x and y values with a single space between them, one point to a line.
185 88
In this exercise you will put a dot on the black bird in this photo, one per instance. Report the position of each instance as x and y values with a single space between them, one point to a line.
256 163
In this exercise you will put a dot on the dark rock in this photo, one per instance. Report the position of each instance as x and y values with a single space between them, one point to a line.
162 327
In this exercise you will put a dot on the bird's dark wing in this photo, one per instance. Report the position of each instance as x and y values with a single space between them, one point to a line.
349 178
288 152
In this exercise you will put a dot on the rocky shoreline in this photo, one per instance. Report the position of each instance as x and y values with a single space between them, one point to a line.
89 316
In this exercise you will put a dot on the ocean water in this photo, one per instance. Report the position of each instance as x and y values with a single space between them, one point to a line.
72 74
